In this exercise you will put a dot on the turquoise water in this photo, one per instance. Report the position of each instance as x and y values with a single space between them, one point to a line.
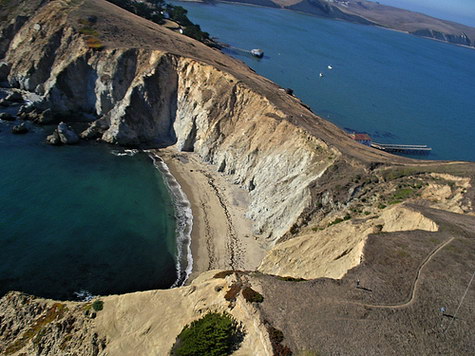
79 218
396 87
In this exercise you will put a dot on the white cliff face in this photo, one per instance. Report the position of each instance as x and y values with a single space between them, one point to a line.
144 96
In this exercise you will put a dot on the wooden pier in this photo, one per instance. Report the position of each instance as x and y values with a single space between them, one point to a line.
410 149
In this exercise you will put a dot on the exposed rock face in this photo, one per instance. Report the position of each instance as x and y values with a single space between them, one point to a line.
7 117
147 96
154 333
66 134
4 70
335 250
156 88
20 129
30 326
53 139
34 326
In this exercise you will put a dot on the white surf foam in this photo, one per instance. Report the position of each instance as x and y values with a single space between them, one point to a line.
184 219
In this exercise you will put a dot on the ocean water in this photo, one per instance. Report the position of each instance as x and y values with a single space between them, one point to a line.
82 219
396 87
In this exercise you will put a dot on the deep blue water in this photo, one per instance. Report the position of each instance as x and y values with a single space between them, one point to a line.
80 218
396 87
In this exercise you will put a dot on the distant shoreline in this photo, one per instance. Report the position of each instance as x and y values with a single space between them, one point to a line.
338 19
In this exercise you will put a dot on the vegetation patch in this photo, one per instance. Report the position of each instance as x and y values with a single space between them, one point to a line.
91 36
401 194
233 292
158 10
98 305
215 334
276 337
223 274
290 279
252 296
339 220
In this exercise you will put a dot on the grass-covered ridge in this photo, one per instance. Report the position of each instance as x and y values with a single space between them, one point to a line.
159 11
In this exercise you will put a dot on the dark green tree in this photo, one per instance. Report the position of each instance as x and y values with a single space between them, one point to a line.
214 334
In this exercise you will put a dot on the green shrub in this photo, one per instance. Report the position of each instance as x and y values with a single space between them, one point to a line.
98 305
336 221
290 279
252 296
223 274
276 337
214 334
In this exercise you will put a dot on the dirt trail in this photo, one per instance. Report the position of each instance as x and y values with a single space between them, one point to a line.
414 286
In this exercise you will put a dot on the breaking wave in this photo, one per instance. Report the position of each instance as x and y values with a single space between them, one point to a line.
184 221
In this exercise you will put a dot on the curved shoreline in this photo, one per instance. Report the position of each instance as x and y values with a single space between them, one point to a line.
184 220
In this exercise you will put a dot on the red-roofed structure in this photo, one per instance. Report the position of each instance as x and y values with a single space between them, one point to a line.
362 138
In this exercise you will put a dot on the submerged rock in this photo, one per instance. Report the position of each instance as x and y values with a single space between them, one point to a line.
67 134
7 117
46 117
20 129
15 97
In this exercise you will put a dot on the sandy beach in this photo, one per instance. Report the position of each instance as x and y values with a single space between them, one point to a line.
222 237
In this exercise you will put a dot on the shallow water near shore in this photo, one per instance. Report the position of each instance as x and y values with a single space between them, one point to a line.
396 87
80 219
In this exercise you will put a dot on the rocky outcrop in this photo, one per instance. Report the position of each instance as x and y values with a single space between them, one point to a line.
20 129
63 134
4 71
333 251
153 97
33 326
459 39
7 117
66 134
146 86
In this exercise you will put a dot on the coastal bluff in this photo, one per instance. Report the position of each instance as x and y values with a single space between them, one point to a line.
327 210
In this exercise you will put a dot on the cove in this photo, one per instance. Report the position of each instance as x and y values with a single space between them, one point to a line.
396 87
82 219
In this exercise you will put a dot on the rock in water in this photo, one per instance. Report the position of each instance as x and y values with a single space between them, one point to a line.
4 71
67 134
53 139
15 97
19 129
7 117
46 117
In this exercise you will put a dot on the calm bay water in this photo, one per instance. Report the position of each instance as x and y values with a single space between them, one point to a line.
396 87
80 218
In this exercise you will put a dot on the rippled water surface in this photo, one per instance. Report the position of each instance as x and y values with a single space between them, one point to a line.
79 218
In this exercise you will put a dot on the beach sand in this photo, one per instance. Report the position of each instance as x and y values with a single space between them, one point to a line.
222 237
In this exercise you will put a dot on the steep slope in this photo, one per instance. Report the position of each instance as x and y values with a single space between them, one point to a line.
141 91
135 83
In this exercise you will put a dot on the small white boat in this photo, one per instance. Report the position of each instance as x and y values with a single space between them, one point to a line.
321 75
257 52
330 67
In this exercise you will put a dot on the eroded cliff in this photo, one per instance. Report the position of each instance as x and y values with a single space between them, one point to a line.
138 84
141 96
